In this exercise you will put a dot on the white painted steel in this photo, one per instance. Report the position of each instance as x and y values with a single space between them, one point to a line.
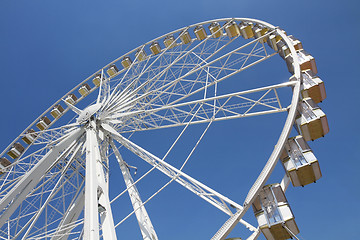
201 190
96 192
254 235
156 102
274 157
285 182
91 215
18 192
53 192
146 227
71 215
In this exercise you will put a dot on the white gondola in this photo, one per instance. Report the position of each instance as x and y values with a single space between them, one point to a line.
169 42
312 86
200 32
16 150
271 41
232 29
274 214
84 90
3 164
215 30
296 43
311 122
259 32
57 111
126 62
246 30
71 99
283 49
299 162
140 54
112 70
97 80
29 136
185 37
43 123
306 62
155 48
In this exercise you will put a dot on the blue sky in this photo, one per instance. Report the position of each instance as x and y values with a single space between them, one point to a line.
48 47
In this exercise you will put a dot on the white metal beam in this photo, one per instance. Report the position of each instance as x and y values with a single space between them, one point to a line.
146 227
211 196
270 164
57 187
18 193
91 219
96 192
70 216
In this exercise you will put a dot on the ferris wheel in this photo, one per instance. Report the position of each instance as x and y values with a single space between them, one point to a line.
55 175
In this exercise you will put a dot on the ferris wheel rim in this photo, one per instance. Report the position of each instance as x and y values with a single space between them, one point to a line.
295 98
117 59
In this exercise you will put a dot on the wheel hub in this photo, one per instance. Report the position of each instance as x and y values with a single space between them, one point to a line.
88 113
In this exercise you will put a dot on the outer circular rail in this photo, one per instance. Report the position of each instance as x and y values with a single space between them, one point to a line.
268 168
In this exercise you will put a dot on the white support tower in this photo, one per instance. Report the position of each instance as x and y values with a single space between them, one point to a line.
96 192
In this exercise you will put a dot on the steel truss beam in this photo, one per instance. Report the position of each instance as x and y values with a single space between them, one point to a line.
178 114
96 192
58 186
146 227
211 196
227 227
71 215
18 193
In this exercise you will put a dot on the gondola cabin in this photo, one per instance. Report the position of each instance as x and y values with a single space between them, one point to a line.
200 32
312 121
283 49
97 80
274 214
259 32
299 162
312 86
246 30
57 111
140 54
43 123
16 150
296 43
155 48
112 70
84 90
3 164
215 30
271 41
71 99
126 62
232 29
30 136
185 37
306 62
169 42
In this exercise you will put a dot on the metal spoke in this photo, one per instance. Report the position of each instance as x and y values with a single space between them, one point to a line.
56 186
29 181
146 227
201 190
228 106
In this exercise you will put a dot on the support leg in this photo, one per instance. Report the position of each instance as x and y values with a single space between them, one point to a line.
146 227
96 193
